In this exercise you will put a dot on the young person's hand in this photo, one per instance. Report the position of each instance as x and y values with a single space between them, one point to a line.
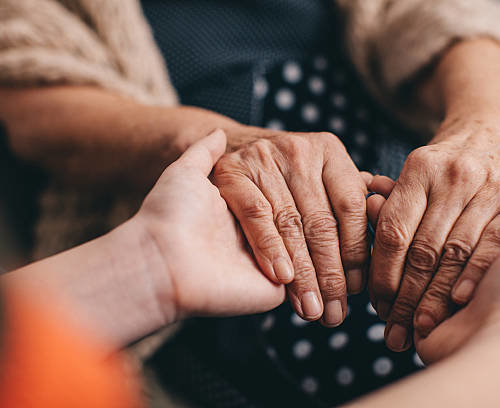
181 255
205 266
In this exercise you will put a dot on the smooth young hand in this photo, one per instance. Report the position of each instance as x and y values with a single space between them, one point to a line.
203 253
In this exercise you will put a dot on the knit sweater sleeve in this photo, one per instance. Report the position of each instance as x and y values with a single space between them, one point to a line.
392 41
48 42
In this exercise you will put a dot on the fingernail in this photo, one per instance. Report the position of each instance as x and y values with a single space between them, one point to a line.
311 307
464 290
333 315
424 324
383 309
283 270
354 281
397 338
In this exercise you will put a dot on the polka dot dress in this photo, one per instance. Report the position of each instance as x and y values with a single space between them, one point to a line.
333 365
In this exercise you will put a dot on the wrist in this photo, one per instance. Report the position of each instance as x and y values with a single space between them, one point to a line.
465 80
151 275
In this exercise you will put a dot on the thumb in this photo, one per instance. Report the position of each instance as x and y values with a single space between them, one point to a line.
203 154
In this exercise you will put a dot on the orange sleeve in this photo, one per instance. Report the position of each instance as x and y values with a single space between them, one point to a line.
43 364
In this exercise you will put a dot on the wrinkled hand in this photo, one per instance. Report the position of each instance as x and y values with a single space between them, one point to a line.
477 323
438 232
211 271
301 203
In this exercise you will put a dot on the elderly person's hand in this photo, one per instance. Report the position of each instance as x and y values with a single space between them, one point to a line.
301 203
477 323
439 230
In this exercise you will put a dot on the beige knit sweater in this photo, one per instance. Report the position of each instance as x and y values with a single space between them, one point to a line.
107 43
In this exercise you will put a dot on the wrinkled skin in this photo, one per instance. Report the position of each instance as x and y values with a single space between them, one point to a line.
439 230
301 203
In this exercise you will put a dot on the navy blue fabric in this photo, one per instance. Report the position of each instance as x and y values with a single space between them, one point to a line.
280 64
215 49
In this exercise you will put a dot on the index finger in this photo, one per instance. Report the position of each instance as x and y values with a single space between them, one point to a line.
397 223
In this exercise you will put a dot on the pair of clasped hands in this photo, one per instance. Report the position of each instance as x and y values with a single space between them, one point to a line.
296 222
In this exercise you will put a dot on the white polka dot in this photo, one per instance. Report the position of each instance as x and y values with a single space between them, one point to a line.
339 100
310 113
285 99
317 85
370 309
271 353
297 320
418 361
302 349
356 157
292 72
382 366
275 124
361 138
309 385
345 376
376 332
337 124
339 340
320 63
268 323
260 88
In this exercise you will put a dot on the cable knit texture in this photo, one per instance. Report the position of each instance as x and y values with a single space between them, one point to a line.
103 43
391 41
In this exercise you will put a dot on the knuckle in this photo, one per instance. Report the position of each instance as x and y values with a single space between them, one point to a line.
420 157
289 222
296 147
256 209
463 170
223 169
319 224
456 253
385 286
354 253
329 138
403 309
352 204
390 236
439 293
332 286
480 263
259 149
422 257
492 233
265 243
436 302
304 269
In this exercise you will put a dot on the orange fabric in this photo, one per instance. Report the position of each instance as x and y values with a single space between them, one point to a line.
42 364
